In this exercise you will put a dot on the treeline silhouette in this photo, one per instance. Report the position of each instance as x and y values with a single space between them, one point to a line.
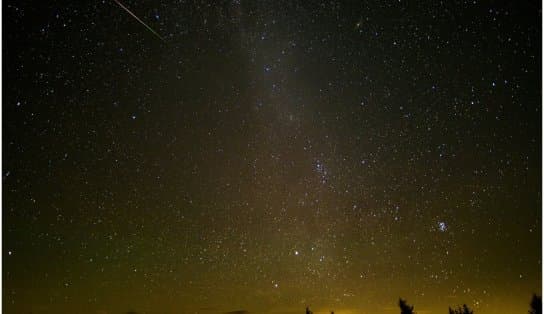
405 308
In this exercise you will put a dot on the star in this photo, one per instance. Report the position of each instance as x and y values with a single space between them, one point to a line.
442 226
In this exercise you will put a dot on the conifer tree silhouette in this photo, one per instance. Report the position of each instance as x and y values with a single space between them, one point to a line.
405 308
536 305
461 310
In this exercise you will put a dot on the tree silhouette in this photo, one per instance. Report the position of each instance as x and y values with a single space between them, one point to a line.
405 308
536 305
461 310
308 310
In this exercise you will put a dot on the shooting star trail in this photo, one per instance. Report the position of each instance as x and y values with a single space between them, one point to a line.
138 19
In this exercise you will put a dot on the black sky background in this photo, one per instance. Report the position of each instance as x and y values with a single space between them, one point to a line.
271 155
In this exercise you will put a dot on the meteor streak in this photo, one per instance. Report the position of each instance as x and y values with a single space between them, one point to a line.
138 19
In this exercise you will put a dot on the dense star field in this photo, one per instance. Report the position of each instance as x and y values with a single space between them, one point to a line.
265 156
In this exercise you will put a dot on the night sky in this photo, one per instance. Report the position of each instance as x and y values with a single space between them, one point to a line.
268 155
